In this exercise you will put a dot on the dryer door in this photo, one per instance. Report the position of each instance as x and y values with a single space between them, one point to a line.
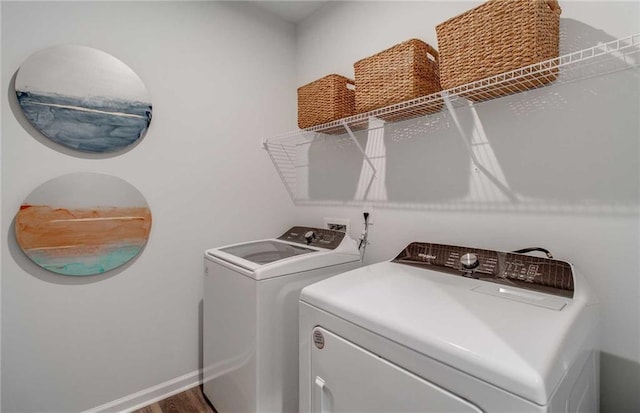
348 378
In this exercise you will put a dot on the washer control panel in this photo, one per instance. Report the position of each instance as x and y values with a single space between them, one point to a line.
523 271
317 237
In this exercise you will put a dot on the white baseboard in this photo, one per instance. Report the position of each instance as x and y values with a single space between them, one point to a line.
150 395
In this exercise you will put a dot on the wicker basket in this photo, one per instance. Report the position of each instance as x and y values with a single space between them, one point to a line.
403 72
496 37
325 100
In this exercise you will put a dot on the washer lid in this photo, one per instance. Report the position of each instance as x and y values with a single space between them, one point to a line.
270 258
514 344
265 252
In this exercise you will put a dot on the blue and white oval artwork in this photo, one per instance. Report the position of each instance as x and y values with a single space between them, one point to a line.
83 98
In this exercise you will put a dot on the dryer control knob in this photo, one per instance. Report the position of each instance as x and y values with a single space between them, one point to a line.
309 236
469 261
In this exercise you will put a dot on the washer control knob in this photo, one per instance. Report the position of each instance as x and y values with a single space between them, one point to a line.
469 261
309 236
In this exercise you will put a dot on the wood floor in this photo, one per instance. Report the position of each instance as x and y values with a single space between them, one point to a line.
190 401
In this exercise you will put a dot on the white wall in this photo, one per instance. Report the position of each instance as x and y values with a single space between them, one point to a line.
221 76
562 161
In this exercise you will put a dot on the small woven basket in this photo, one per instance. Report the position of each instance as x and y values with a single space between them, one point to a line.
403 72
496 37
325 100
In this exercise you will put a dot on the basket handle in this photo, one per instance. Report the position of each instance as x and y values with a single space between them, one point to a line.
553 5
433 52
349 82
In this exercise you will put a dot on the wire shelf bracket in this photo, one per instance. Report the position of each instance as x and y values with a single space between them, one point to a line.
362 151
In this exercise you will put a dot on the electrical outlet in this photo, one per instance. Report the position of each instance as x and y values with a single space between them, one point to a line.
337 224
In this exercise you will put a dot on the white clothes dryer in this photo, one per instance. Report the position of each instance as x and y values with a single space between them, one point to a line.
250 322
450 329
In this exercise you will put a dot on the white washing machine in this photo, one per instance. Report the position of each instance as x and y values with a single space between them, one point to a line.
250 323
450 329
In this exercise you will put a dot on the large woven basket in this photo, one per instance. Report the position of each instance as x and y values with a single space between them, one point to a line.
496 37
403 72
325 100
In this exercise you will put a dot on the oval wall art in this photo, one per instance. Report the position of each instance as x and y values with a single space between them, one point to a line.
83 224
83 98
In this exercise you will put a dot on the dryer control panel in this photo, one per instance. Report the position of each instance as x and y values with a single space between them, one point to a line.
523 271
317 237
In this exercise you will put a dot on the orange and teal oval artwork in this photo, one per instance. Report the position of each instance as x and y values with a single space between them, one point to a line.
83 224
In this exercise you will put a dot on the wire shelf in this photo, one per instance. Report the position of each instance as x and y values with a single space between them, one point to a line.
599 60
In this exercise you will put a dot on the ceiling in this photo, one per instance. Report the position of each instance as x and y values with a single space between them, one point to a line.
291 11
